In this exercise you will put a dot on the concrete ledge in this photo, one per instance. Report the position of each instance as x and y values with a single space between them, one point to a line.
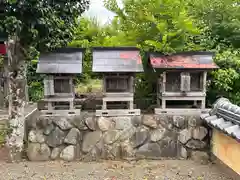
118 112
175 111
60 112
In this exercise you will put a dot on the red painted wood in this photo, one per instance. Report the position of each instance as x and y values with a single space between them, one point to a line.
3 50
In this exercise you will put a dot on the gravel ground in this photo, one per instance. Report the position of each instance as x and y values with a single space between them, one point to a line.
112 170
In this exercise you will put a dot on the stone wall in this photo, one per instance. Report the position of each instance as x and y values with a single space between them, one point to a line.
90 138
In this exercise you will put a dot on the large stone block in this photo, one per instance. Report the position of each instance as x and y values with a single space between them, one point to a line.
105 124
165 121
185 135
137 121
157 134
122 123
62 123
68 153
56 152
43 121
196 144
38 152
139 137
127 150
179 121
149 151
150 121
200 133
56 137
48 129
183 152
78 121
194 121
36 136
93 155
127 133
91 123
112 152
90 140
73 137
111 136
169 147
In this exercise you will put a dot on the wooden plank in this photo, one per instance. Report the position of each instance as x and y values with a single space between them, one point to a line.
204 81
183 98
125 94
131 84
104 84
118 99
64 94
119 112
58 99
189 94
185 82
182 111
226 149
163 82
62 77
48 86
117 77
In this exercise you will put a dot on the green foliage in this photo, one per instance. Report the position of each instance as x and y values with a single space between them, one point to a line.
41 24
159 25
219 21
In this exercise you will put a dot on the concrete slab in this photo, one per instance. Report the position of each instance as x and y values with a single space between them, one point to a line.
118 112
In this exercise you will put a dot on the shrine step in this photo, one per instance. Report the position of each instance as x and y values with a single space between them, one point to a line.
182 111
60 112
118 112
44 106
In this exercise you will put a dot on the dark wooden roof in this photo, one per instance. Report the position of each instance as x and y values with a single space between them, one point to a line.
116 59
63 60
185 60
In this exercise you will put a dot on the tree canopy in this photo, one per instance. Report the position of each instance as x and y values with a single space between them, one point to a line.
41 24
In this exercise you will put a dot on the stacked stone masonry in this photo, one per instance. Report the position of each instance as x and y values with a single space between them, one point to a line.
91 138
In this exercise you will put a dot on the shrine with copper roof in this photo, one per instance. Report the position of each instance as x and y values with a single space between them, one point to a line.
182 77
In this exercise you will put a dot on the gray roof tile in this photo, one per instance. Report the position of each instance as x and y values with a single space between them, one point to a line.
225 117
64 60
117 60
232 129
217 122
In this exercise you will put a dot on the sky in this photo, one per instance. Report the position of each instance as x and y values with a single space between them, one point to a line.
98 11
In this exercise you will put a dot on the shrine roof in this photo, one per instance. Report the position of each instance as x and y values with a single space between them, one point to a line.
63 60
185 60
116 59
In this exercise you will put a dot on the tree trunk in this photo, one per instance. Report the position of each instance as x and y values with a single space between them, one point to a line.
16 94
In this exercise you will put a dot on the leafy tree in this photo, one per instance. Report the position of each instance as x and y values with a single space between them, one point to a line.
159 25
219 21
32 26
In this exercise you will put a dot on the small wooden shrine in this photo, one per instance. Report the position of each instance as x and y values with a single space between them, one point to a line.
60 66
118 65
182 77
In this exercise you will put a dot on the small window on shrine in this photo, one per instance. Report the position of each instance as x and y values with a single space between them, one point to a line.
62 86
173 81
116 84
185 82
196 81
